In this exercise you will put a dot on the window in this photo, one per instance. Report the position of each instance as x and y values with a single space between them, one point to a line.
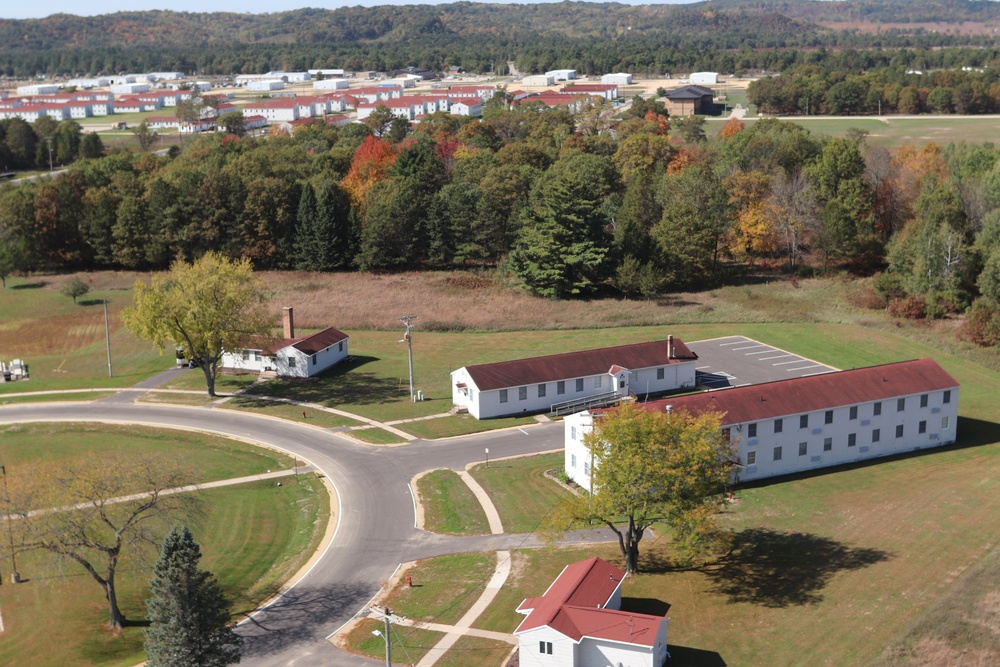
854 412
340 346
827 444
246 354
659 375
877 409
522 393
899 431
779 425
572 457
545 647
572 435
828 417
777 453
291 362
597 382
586 467
751 430
900 404
561 387
803 448
313 359
503 395
803 421
852 439
947 396
945 423
727 433
751 458
922 427
541 391
923 400
579 384
876 435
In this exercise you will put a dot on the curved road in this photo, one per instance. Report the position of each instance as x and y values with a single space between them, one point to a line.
376 522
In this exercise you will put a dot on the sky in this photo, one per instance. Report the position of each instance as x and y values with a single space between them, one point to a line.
42 8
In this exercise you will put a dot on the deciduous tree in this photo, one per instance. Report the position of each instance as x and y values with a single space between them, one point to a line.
207 307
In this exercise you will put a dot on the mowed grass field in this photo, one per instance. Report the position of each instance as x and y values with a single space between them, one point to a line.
891 131
253 536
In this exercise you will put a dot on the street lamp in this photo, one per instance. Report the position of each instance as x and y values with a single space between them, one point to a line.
408 339
388 655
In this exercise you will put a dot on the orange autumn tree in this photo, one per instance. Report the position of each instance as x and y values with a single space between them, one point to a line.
754 233
732 127
370 165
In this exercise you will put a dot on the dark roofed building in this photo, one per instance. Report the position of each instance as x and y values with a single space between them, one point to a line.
536 384
690 100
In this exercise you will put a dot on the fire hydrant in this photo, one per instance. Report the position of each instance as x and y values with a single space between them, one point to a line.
409 581
303 414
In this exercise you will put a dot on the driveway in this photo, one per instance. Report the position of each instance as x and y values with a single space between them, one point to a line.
375 531
735 361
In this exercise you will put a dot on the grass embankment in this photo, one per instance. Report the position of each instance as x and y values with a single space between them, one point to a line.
49 398
449 505
520 491
311 416
455 425
409 645
253 537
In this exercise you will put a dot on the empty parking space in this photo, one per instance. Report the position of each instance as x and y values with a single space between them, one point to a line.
735 361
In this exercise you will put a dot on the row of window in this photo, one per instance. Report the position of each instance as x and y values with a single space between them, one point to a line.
522 392
586 464
291 359
779 424
852 441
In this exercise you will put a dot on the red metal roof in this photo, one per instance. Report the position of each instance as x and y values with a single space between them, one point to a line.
577 364
320 341
575 606
817 392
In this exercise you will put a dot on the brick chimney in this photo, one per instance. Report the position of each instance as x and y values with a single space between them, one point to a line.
288 322
670 346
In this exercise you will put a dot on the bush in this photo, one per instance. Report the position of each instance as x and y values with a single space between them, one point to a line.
910 307
982 323
75 288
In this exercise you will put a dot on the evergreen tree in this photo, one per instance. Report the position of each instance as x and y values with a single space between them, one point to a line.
189 618
305 226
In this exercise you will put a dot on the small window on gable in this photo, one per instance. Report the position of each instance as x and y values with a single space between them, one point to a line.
291 362
340 346
947 396
659 373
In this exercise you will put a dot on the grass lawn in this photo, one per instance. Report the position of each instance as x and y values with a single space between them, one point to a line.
520 493
447 427
377 436
194 380
443 588
408 644
210 457
890 131
53 398
449 505
197 400
475 651
312 416
253 537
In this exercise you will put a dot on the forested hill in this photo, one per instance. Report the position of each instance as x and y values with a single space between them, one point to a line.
871 11
726 36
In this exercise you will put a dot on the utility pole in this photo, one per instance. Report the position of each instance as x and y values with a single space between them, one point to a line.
386 615
14 576
49 142
408 339
107 336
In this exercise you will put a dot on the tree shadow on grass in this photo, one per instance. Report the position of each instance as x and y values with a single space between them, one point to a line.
343 384
650 606
35 285
777 570
685 656
90 302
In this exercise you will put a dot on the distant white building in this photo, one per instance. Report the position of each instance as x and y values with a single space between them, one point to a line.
538 80
165 76
539 383
562 74
331 84
578 622
704 78
797 425
38 89
266 85
327 72
290 356
96 82
466 106
619 79
273 110
129 88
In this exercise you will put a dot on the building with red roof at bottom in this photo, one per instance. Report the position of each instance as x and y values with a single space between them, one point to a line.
578 622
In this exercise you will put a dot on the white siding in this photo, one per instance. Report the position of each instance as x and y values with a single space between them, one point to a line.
564 649
601 652
619 79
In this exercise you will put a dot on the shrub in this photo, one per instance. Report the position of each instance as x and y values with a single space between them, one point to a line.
982 323
910 307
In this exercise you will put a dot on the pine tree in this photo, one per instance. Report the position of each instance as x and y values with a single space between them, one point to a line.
305 228
190 621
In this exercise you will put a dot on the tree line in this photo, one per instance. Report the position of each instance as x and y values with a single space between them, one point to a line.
567 205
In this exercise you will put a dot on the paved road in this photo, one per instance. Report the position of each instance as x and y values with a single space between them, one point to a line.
376 524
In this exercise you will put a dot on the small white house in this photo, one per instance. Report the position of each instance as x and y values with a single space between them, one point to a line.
466 106
290 356
619 79
578 622
539 383
797 425
538 80
704 78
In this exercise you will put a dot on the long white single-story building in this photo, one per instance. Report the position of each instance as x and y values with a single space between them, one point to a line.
578 622
536 384
797 425
290 356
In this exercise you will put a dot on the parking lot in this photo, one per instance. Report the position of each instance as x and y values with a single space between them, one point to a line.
735 361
